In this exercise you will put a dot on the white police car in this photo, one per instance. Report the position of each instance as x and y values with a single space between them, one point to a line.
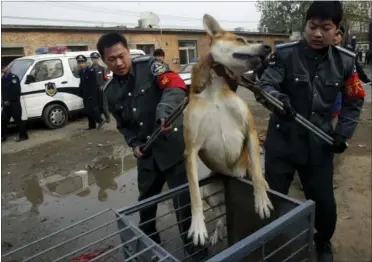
50 84
185 73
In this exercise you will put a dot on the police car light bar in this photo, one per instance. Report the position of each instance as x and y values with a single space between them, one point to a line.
51 50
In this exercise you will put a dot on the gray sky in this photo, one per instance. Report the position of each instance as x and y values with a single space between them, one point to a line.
172 14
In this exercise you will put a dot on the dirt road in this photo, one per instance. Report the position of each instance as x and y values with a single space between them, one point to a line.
41 193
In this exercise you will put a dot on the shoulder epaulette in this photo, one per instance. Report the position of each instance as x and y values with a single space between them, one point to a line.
107 84
289 44
345 51
143 58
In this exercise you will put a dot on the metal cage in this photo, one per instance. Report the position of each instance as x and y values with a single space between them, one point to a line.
115 235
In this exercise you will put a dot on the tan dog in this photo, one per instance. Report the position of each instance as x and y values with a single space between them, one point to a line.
219 127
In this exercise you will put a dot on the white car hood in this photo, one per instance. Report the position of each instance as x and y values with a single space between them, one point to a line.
186 77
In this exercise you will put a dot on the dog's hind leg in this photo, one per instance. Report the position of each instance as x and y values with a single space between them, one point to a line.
250 159
213 195
263 204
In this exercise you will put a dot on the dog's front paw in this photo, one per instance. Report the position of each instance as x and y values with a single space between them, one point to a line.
262 204
198 230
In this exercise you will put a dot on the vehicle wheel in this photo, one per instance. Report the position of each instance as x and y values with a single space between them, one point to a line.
55 116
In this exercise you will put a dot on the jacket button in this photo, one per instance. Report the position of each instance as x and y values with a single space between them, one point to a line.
296 79
175 129
314 95
142 90
312 113
129 94
336 84
141 124
316 77
121 107
148 137
134 109
277 125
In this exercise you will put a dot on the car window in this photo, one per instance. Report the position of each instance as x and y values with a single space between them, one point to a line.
47 70
20 67
75 67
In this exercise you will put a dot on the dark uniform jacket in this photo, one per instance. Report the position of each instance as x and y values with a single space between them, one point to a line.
312 82
149 92
89 86
10 88
100 73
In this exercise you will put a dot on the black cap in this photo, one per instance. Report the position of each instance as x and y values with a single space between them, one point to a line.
94 55
81 58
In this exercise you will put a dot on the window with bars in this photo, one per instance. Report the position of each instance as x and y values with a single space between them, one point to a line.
187 50
148 49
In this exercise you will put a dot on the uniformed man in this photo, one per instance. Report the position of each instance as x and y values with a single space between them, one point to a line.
362 75
11 103
101 79
306 77
89 91
141 95
338 41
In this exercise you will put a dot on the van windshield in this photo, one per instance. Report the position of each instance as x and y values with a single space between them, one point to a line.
20 67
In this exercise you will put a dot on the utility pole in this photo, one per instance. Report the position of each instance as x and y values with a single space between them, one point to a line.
370 26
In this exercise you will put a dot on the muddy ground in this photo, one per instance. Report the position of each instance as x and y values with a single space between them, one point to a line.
41 193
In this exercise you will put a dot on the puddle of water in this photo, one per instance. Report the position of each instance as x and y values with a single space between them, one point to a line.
103 175
56 202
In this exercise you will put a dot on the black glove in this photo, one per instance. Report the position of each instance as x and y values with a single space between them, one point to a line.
288 112
339 145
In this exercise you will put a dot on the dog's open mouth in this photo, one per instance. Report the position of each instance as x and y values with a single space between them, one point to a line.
242 56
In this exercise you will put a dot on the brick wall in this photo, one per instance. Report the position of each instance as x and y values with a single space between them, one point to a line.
31 40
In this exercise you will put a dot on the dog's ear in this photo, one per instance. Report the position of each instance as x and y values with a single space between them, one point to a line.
211 25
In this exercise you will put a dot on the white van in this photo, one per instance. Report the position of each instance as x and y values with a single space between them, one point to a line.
53 106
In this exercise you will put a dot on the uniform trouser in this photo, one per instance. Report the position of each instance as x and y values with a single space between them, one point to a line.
150 183
93 114
317 183
14 109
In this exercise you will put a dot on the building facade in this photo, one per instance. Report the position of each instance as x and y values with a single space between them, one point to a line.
180 46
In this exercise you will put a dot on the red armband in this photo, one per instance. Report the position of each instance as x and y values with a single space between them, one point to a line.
170 79
353 88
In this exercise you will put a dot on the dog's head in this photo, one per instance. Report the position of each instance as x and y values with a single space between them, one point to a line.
233 51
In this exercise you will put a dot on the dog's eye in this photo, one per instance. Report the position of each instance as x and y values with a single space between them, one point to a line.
240 40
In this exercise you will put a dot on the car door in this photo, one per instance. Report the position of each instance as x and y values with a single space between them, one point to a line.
44 72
